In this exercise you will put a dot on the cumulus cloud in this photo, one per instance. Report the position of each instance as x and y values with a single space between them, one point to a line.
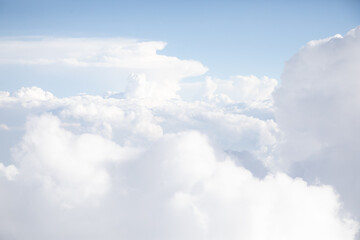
107 167
148 119
319 113
202 195
139 86
70 166
245 89
251 91
178 188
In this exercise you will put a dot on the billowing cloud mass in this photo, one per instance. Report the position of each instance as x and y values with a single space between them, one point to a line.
206 161
319 113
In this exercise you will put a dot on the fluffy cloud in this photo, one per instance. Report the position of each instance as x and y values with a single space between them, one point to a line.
199 194
248 90
106 167
70 166
148 119
178 188
244 89
319 113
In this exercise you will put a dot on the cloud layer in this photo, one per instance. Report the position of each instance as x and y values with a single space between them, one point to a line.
131 168
165 159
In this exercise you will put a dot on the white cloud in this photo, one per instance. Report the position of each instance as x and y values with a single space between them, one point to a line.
116 52
9 172
249 90
179 188
27 97
126 55
138 119
140 87
152 167
211 198
71 167
319 113
127 161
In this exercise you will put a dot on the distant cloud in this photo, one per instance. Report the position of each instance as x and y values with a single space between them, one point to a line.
9 172
249 90
86 52
4 127
128 55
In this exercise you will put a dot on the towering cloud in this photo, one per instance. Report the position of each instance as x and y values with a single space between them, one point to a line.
319 112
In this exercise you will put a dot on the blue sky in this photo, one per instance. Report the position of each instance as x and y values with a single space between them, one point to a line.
229 37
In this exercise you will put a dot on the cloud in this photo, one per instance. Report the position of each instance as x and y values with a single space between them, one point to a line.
251 91
114 56
29 97
90 52
70 166
9 172
4 127
179 187
106 167
318 112
140 87
200 195
138 119
243 89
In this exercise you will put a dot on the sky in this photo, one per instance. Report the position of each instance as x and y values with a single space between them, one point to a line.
229 37
188 120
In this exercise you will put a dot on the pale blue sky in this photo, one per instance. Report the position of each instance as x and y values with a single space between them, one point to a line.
229 37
